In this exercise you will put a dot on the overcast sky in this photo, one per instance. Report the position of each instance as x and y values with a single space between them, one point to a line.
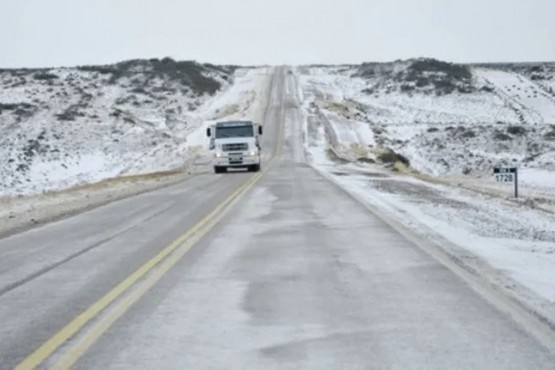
36 33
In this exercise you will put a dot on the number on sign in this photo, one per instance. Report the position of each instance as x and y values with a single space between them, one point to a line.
505 177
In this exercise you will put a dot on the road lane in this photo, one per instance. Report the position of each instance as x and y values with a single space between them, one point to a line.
300 275
64 267
296 275
51 274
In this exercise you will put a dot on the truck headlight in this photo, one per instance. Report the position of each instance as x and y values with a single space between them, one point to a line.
218 154
253 153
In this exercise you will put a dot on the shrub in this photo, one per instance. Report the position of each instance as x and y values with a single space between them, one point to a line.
444 77
365 160
464 89
45 76
188 73
498 135
70 113
516 130
550 135
469 134
139 90
422 81
536 69
366 70
22 110
22 167
98 69
115 113
389 156
25 112
7 107
444 86
456 71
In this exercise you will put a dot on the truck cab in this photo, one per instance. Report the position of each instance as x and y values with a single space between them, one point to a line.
235 144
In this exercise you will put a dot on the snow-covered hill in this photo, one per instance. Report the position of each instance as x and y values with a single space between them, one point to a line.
445 119
66 126
452 124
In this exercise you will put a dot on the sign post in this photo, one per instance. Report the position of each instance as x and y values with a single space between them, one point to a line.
507 174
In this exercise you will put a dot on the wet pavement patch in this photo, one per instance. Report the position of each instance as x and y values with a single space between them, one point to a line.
361 173
374 174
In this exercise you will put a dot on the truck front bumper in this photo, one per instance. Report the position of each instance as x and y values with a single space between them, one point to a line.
236 160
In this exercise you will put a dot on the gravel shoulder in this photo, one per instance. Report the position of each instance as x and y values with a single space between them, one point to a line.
18 214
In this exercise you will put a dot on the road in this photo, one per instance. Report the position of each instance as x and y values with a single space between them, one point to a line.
280 270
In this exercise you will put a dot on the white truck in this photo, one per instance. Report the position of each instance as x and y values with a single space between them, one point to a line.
236 144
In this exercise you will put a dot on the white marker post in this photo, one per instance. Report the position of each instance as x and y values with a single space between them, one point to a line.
507 174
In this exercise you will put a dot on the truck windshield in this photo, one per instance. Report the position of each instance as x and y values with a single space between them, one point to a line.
235 131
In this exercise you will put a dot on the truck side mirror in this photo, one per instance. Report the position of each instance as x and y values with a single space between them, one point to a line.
208 132
260 130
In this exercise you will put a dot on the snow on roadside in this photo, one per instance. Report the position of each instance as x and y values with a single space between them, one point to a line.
514 239
534 103
441 134
537 177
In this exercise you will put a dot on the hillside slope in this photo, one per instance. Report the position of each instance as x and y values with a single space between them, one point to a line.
445 119
67 126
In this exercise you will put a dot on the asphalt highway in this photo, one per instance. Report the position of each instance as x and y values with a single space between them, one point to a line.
280 269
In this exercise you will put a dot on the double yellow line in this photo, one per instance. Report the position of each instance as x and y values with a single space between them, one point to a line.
102 314
140 281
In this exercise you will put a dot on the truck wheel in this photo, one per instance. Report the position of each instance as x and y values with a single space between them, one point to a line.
219 169
255 168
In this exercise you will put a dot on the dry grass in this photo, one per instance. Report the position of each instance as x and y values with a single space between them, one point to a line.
334 156
402 168
226 111
106 183
358 150
120 179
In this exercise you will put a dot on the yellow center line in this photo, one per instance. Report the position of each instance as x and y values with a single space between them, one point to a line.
50 346
91 336
164 260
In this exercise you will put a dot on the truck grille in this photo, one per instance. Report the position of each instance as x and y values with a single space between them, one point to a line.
235 147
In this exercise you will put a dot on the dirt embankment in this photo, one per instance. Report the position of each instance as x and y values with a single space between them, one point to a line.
22 213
